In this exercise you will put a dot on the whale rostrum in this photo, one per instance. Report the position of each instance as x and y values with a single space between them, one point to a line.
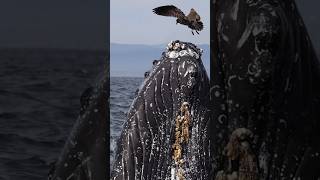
165 133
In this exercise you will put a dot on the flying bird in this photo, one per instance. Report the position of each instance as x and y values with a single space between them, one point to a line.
192 20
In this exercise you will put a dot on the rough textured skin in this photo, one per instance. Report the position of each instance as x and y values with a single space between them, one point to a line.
242 162
145 146
265 77
84 156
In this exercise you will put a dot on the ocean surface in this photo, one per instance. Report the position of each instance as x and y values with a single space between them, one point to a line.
122 93
39 103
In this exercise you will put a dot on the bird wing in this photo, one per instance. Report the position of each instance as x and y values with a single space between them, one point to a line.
196 25
169 10
193 15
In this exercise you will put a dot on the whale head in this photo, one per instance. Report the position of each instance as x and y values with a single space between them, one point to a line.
177 88
181 72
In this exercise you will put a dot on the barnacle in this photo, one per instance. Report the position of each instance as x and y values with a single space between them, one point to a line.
239 149
180 175
176 48
177 152
185 130
181 137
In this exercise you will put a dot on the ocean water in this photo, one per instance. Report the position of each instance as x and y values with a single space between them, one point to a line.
39 103
122 93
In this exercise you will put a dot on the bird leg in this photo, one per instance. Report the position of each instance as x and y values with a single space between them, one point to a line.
192 32
197 32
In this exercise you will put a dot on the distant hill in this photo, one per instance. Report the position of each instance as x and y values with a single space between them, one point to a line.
134 59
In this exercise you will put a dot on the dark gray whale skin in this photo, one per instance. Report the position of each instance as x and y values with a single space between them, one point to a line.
266 77
84 156
144 150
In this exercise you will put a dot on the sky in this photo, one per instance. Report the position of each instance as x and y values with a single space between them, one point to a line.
133 22
83 23
309 10
80 24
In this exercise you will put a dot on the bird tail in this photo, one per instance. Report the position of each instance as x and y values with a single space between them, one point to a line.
198 26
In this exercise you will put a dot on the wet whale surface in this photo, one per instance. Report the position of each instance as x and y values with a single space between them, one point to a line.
145 148
84 155
265 77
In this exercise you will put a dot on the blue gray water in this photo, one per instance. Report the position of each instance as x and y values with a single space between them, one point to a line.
122 93
39 103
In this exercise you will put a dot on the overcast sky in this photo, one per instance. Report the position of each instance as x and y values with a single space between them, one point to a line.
133 22
83 23
53 23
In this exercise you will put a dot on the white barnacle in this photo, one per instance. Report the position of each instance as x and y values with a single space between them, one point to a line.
176 46
173 174
185 104
196 55
222 118
190 70
190 52
173 54
183 53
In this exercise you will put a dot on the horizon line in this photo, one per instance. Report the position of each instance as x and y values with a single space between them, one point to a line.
151 44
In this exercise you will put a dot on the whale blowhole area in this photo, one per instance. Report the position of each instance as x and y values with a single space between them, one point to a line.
176 49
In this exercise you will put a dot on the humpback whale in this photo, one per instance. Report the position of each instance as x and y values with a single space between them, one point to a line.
265 78
84 156
165 134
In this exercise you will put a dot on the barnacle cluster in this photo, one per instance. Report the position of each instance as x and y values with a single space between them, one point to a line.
177 49
181 137
176 46
239 149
